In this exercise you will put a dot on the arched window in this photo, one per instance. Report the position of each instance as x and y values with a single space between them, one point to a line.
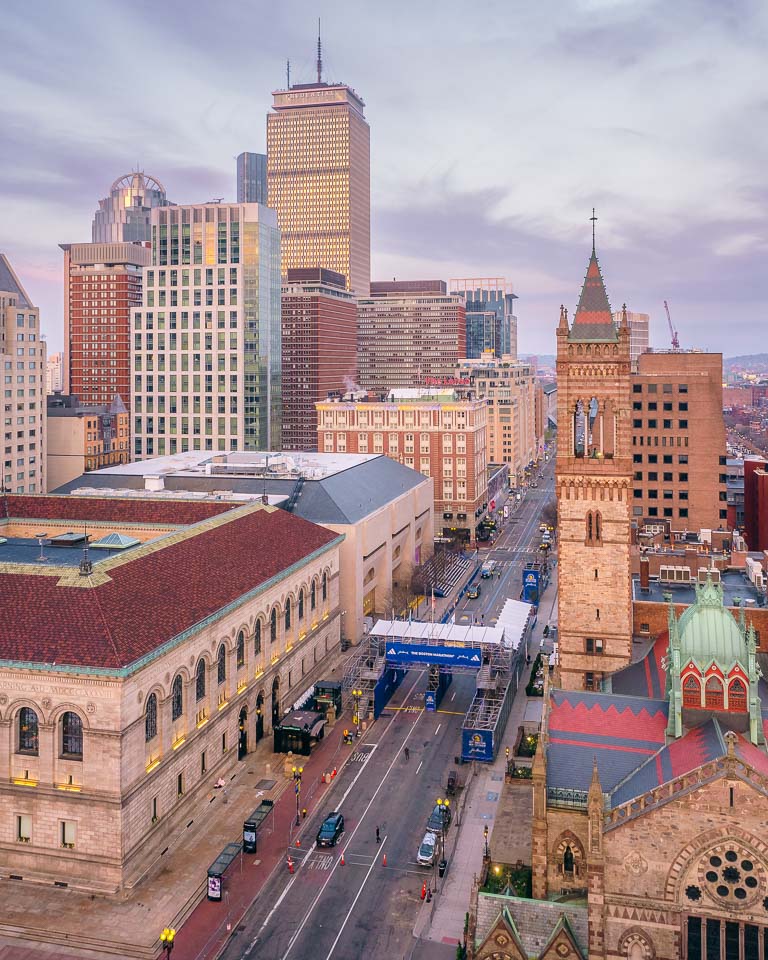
240 650
568 860
301 604
325 586
200 681
288 614
589 526
273 625
71 736
29 734
177 697
257 639
737 696
221 664
150 718
313 596
691 692
598 528
713 694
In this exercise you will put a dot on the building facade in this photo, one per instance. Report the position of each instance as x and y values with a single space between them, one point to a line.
435 432
102 288
319 349
137 679
125 215
491 321
678 441
510 391
54 373
410 333
83 438
252 178
22 353
205 352
639 334
319 179
593 483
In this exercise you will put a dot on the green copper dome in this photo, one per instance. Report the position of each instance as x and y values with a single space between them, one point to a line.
708 631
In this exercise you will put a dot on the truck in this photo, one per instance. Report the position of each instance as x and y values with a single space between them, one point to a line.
487 569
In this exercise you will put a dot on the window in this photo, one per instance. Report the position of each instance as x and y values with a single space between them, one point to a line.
288 613
325 586
637 388
737 696
203 763
313 596
653 423
589 681
273 625
29 736
177 697
67 834
683 478
224 742
180 785
691 692
713 694
301 604
221 664
682 387
257 639
153 809
683 424
24 828
150 718
72 736
594 645
667 388
200 681
240 650
667 424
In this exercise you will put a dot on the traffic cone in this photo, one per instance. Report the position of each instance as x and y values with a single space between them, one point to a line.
290 865
384 860
423 890
298 842
342 858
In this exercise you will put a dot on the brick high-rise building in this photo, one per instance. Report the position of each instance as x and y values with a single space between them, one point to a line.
22 354
205 348
319 179
410 333
678 441
432 431
593 482
102 287
319 317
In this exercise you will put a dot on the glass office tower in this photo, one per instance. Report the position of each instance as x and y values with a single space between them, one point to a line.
491 323
252 178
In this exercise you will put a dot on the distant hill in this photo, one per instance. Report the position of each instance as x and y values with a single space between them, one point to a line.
752 361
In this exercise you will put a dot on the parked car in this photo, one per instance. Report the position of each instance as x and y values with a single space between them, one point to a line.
440 818
330 831
440 591
474 591
428 849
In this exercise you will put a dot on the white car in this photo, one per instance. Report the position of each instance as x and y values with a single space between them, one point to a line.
428 849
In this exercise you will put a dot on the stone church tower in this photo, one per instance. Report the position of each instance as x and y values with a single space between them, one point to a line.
593 482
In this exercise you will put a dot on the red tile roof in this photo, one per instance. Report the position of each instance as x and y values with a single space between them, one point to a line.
150 598
124 510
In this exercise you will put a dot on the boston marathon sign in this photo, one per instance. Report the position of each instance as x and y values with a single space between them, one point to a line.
403 654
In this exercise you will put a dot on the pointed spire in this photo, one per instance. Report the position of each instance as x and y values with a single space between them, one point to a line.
593 319
319 54
595 788
563 318
624 321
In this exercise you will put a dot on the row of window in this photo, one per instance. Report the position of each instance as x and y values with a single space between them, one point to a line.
667 406
653 424
654 388
70 732
67 831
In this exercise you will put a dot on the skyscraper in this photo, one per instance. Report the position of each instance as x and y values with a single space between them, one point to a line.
125 214
206 344
22 354
410 333
491 322
252 178
319 179
102 287
639 334
319 349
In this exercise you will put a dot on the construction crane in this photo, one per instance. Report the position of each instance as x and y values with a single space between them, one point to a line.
672 331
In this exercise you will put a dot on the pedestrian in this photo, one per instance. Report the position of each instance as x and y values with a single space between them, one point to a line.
407 754
378 837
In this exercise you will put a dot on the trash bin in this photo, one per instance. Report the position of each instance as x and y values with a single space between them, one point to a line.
442 867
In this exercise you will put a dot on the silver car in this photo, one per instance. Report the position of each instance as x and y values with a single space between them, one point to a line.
428 849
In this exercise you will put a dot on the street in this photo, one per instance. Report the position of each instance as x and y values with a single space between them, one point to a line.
367 906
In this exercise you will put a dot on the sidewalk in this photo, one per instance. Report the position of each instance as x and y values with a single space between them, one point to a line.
481 809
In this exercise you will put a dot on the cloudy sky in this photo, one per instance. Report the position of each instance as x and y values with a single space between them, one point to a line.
496 126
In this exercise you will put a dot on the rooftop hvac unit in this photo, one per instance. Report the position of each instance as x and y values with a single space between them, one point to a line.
708 572
674 574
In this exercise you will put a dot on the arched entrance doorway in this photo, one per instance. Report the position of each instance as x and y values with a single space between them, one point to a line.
276 713
242 741
260 716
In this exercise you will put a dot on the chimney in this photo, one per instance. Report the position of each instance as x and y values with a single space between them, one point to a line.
645 574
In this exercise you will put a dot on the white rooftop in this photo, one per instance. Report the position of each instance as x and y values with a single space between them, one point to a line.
514 619
451 634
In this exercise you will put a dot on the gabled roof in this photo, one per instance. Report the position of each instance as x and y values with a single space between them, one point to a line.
646 677
504 937
563 931
10 283
593 319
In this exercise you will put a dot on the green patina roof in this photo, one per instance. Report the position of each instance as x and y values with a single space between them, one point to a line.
709 631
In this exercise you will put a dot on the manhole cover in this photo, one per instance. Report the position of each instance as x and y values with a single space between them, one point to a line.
265 784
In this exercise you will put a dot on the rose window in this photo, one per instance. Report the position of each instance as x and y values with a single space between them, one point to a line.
730 875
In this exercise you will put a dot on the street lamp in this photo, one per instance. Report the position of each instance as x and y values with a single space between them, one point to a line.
297 772
485 836
443 814
166 938
357 694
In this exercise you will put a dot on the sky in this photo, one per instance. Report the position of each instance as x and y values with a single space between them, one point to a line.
496 127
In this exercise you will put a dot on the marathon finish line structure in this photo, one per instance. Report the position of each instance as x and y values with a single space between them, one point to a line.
495 655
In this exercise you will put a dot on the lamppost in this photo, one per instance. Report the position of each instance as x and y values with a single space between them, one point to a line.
166 938
297 772
357 694
485 837
443 814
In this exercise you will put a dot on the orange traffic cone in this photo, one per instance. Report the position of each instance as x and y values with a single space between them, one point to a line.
298 842
423 890
342 858
384 861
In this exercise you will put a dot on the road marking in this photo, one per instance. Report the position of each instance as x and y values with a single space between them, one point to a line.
438 728
453 695
453 713
352 907
323 862
419 766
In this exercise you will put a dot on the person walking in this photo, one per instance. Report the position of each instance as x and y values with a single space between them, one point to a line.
407 754
378 836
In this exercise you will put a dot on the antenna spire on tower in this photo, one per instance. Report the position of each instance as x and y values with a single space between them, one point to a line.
288 74
593 218
319 54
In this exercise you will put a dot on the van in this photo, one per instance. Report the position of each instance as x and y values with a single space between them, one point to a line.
487 569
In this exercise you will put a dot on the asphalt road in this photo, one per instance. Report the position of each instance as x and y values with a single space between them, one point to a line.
328 910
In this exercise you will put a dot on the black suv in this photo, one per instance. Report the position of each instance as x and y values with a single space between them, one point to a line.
440 818
330 831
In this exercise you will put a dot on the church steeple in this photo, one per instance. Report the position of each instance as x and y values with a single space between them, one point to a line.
593 319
